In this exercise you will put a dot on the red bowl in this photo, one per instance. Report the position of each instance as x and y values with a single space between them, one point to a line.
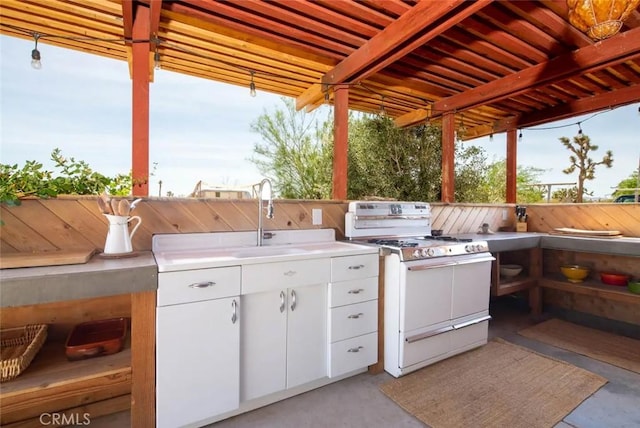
612 278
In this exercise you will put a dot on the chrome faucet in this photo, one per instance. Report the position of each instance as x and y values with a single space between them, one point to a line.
269 209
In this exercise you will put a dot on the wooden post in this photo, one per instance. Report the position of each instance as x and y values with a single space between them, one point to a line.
143 357
140 102
448 156
512 163
340 141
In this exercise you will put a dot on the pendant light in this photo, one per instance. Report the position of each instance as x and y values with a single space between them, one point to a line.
35 54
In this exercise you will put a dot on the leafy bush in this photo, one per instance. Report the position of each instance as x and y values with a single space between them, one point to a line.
73 178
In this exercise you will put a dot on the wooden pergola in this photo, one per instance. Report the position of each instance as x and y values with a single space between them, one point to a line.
477 67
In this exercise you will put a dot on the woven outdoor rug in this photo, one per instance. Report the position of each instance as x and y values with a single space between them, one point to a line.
497 385
611 348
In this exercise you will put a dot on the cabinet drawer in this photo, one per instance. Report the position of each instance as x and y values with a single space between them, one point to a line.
352 354
197 285
355 291
353 267
268 276
353 320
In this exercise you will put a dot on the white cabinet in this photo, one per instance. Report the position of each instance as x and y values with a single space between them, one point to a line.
197 345
283 332
352 318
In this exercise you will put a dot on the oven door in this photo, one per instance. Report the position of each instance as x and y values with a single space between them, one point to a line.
439 300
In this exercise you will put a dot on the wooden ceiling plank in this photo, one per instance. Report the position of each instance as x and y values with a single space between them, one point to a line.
396 7
548 22
338 19
295 20
255 24
396 34
359 11
626 73
602 54
241 44
41 14
245 32
574 108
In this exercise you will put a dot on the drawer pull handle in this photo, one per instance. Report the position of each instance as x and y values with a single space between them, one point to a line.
282 304
294 302
356 291
356 316
234 311
356 267
203 284
290 273
355 349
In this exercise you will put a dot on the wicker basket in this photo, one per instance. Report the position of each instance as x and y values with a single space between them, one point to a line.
18 347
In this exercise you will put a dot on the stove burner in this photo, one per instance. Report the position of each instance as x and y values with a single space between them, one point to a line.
447 238
393 243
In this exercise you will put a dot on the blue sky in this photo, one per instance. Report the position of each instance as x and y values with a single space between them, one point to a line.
200 130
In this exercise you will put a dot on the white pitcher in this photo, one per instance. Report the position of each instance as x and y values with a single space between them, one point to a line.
118 236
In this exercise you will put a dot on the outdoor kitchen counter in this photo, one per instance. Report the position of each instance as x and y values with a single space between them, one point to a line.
99 277
513 241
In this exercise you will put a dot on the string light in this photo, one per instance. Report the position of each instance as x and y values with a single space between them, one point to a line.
520 135
491 137
579 129
35 54
252 86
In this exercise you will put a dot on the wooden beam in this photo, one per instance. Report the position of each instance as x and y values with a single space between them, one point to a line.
448 158
608 52
155 7
340 146
593 104
143 352
590 58
512 162
140 103
381 50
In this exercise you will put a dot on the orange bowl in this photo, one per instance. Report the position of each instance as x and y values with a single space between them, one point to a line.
574 273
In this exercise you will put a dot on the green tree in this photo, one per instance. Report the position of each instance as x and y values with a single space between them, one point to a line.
632 182
581 147
296 152
494 188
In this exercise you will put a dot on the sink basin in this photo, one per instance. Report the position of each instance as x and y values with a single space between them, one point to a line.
266 252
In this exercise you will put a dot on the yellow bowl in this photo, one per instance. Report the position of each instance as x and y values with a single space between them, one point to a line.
574 273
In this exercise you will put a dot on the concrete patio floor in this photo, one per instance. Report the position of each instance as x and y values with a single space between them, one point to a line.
357 401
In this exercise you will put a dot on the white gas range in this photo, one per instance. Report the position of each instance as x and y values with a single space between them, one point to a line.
436 288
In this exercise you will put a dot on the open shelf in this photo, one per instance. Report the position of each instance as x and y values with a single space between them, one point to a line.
51 382
512 285
591 288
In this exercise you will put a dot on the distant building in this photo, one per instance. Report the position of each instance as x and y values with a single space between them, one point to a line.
205 190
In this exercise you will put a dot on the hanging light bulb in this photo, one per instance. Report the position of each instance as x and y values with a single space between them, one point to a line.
579 129
383 112
325 89
35 54
252 86
491 137
156 59
520 136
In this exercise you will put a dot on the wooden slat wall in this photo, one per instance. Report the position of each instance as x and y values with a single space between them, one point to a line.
75 222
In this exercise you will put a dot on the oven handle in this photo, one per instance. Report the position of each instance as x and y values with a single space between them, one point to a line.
434 266
428 334
392 217
488 258
472 322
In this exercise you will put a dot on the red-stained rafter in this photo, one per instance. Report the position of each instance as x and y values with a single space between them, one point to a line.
591 58
381 50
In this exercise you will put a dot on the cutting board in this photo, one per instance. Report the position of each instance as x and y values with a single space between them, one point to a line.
587 233
45 258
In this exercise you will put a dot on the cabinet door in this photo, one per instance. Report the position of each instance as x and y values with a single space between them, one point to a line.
263 343
197 361
306 334
471 288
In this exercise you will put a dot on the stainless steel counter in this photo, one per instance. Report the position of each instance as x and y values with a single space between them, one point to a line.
97 278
